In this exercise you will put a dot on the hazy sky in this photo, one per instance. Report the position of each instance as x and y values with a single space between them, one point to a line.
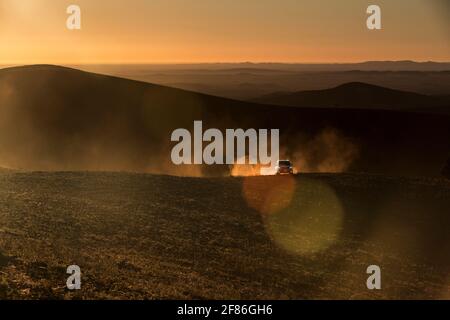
153 31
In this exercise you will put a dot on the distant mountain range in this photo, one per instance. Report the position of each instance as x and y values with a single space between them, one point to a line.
361 96
246 81
405 65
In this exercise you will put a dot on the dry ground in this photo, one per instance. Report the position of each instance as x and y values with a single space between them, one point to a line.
153 237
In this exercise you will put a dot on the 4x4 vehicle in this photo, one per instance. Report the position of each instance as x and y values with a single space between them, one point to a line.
284 167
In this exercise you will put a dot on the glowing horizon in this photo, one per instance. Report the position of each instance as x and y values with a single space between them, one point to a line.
187 32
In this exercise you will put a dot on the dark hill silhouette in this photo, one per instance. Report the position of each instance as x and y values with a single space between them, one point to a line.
446 169
56 118
360 95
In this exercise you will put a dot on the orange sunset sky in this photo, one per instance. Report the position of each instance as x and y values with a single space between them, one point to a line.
168 31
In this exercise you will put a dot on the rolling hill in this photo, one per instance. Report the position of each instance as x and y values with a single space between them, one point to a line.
153 236
56 118
251 81
360 95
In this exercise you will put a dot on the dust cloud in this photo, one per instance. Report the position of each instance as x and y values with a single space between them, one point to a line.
329 151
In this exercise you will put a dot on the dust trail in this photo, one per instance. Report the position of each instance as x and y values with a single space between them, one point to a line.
329 151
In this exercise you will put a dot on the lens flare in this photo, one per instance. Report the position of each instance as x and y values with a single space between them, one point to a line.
268 195
303 216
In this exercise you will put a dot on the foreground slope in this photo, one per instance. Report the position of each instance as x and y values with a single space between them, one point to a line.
151 237
56 118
